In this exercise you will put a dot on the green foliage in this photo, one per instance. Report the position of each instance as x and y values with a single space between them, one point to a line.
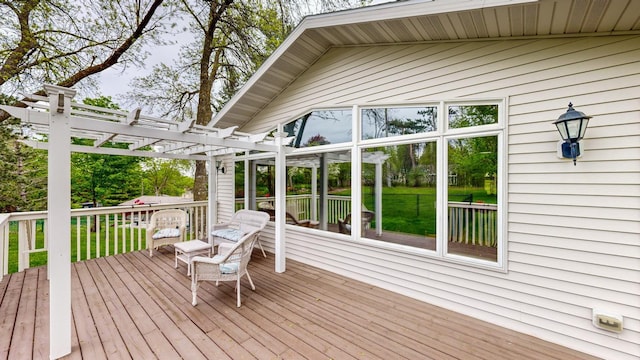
24 170
64 42
165 177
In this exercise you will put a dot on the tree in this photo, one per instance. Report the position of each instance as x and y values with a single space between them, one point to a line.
103 179
232 39
62 42
23 185
165 177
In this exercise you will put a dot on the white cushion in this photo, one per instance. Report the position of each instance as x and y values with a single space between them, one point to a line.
166 233
228 234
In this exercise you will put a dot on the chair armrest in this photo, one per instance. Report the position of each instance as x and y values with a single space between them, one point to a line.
207 260
224 248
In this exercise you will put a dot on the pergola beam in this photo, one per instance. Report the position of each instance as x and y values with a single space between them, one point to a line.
116 151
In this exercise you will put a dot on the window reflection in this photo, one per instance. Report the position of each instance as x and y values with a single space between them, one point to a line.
472 197
405 198
321 127
385 122
476 115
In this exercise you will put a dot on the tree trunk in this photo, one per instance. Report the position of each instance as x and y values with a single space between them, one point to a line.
209 49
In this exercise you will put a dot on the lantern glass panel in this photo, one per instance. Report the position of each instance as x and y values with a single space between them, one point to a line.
562 128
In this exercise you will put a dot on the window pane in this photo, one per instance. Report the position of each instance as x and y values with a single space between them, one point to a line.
384 122
405 197
318 190
321 128
239 174
472 197
467 116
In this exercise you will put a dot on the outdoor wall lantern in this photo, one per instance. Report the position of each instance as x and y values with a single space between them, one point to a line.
572 125
219 166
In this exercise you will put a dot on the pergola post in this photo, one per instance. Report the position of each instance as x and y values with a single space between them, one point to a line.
281 201
59 220
212 208
314 194
250 181
324 192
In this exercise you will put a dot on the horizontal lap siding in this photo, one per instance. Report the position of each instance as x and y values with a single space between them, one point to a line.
226 199
573 231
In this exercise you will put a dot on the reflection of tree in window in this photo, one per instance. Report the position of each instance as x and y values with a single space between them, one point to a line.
384 122
473 158
316 140
321 128
466 116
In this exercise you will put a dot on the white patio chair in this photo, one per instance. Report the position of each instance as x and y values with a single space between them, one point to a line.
344 226
241 223
230 264
166 227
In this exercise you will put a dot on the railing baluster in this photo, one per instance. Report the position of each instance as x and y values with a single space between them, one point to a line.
88 240
78 240
107 233
98 236
123 230
115 234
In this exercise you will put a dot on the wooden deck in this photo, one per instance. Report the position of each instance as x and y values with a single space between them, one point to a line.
132 306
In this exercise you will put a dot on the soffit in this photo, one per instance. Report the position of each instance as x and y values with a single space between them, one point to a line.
422 21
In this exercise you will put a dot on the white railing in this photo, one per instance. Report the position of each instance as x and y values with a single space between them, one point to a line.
473 223
95 232
470 223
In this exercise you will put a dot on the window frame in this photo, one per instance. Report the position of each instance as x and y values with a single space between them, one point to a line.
440 136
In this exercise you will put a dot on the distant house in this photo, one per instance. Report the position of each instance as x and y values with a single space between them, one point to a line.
555 252
162 199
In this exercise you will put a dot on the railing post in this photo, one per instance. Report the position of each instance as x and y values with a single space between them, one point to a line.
4 245
24 240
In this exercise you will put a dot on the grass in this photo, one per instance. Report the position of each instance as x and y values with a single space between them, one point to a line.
87 249
412 210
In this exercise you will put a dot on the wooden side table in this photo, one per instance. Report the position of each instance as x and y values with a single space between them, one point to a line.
187 250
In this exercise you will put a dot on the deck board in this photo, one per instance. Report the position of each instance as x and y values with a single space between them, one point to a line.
133 306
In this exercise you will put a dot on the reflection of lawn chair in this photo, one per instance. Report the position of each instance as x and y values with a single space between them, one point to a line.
291 220
344 226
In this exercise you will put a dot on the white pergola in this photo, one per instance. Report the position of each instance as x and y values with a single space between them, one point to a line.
57 119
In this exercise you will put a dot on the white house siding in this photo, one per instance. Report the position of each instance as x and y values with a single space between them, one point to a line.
226 197
573 231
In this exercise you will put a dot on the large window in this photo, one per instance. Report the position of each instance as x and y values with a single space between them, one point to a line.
429 177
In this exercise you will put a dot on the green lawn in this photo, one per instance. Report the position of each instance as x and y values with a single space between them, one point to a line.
40 258
413 210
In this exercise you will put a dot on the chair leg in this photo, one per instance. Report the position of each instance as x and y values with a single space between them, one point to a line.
194 292
253 287
261 248
238 290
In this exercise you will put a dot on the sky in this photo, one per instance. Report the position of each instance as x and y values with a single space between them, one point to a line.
115 82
